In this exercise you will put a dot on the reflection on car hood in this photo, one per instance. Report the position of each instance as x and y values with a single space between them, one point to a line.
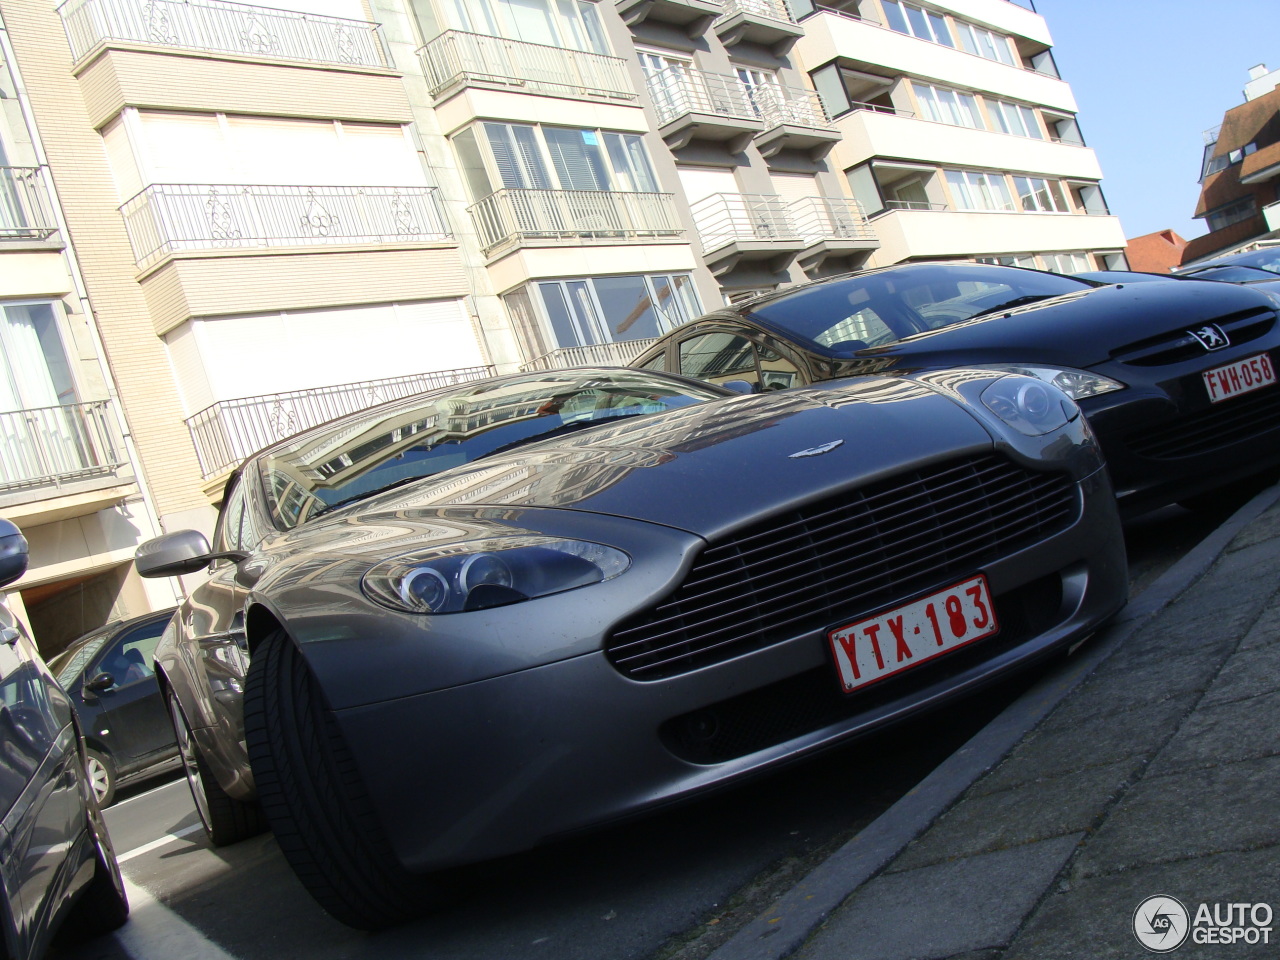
1077 330
706 467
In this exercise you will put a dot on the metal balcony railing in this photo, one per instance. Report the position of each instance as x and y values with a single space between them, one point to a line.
777 104
913 205
169 217
26 211
724 218
772 9
517 215
828 218
230 430
220 27
678 91
606 354
50 446
455 57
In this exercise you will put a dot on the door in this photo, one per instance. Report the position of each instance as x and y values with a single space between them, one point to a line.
132 711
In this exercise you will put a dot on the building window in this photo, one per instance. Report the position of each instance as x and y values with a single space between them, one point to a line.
973 190
565 158
948 106
594 310
1040 196
1014 118
1064 262
34 372
917 22
983 43
1233 212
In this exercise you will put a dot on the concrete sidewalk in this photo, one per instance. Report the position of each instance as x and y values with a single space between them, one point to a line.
1149 766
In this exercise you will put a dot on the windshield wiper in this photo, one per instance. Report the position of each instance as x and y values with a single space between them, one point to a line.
1015 302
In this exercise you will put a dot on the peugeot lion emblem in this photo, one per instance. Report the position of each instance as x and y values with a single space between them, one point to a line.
816 451
1211 337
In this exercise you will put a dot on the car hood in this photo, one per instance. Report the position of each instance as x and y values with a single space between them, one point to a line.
1076 330
703 468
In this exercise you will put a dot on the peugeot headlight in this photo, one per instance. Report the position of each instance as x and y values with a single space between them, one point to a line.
1076 384
1032 407
478 574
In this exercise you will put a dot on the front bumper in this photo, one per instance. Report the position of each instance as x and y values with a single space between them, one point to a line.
489 768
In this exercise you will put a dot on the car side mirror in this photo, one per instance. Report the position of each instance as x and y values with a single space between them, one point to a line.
739 386
174 554
14 552
100 683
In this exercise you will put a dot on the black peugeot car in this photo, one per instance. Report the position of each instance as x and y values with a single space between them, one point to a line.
1177 378
109 676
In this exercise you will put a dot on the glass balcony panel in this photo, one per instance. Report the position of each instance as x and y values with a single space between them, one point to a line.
169 218
220 27
455 57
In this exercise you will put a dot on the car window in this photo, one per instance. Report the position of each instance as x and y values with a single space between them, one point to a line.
719 357
658 363
776 371
131 657
67 666
228 534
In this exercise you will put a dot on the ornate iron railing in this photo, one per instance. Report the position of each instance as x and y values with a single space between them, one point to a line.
456 57
169 217
55 445
772 9
26 211
514 215
230 430
607 354
235 28
677 91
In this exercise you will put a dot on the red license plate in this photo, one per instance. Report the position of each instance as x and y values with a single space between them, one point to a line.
914 633
1233 379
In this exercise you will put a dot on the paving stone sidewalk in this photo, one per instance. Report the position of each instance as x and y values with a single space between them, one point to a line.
1158 775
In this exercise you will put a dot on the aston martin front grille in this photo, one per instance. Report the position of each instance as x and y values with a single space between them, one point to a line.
838 558
1222 425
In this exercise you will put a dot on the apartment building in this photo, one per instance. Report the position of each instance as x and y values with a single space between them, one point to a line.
68 476
283 213
1240 173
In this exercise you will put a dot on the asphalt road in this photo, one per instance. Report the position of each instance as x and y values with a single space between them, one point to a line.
672 887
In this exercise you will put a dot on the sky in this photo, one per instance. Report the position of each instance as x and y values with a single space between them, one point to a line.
1149 77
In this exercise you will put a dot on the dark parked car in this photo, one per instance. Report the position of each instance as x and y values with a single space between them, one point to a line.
469 622
57 866
1177 378
109 676
1260 264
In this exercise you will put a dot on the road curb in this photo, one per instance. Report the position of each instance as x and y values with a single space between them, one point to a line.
788 922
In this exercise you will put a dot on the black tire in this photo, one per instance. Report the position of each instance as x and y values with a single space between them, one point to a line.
101 770
315 799
226 820
103 906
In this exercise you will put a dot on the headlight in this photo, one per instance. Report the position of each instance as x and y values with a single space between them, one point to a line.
1032 407
1076 384
478 574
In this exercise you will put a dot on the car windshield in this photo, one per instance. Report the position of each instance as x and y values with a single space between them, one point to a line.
872 309
1266 259
68 664
1233 273
398 443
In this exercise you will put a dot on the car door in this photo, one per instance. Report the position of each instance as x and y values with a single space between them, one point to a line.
131 716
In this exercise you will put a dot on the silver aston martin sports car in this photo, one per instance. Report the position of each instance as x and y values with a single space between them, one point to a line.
464 624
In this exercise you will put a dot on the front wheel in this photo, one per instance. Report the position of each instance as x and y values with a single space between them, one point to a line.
103 906
102 777
315 799
226 819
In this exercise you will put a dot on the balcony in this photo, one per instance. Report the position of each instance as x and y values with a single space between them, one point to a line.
170 218
693 16
456 59
693 105
231 28
738 228
26 212
56 451
768 23
794 120
518 217
833 229
617 354
230 430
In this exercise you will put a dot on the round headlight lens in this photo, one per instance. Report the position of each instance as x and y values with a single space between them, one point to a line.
1029 406
478 574
1076 384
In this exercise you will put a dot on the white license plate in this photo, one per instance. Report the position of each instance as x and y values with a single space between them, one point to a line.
906 636
1233 379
